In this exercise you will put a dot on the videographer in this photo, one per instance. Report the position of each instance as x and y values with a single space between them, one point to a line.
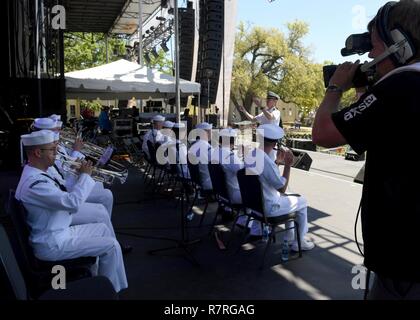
389 210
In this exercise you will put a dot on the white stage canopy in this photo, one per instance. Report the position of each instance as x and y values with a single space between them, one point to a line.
123 79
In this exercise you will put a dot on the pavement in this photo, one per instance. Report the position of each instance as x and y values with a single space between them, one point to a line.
142 218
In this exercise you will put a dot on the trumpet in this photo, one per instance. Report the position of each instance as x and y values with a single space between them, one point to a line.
92 151
72 166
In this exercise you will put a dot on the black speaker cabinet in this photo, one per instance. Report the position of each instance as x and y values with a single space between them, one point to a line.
302 160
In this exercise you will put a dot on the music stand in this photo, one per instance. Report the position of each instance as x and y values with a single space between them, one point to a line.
183 243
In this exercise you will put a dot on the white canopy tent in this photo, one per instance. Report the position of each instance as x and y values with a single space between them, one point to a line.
123 79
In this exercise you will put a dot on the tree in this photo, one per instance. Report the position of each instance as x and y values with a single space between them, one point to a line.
86 50
266 59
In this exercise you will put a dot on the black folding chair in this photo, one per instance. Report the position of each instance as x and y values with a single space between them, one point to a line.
14 287
218 181
37 273
252 201
196 182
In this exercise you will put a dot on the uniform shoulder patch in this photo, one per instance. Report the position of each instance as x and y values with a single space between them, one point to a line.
33 184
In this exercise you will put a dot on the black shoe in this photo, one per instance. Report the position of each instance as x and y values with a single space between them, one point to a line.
227 216
254 238
125 248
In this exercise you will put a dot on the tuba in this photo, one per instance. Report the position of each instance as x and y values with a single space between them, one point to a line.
72 166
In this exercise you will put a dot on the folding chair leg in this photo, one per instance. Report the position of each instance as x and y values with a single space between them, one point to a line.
214 220
244 234
271 238
298 238
204 211
235 221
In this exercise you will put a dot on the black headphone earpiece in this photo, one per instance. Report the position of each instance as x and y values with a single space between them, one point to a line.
394 36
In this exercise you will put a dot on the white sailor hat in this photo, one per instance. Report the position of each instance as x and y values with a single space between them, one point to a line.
271 132
204 126
272 95
158 118
168 124
228 132
44 123
37 138
179 125
56 136
55 117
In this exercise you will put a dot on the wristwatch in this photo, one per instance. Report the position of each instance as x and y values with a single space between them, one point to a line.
334 88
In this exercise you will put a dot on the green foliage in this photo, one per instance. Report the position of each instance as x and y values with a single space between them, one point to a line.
90 105
86 50
161 63
267 59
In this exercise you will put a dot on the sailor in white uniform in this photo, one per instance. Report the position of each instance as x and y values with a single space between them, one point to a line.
168 134
200 152
50 209
274 186
87 212
99 194
154 135
269 115
225 155
178 151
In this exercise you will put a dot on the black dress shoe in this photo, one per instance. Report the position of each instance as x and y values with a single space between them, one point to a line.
254 238
125 248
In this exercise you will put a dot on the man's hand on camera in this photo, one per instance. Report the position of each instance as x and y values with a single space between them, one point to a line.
344 75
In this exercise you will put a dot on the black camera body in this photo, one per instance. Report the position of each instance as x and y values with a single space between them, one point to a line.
361 79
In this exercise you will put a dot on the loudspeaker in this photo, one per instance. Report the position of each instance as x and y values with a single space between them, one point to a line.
186 42
302 160
210 49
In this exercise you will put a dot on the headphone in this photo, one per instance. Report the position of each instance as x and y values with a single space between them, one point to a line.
395 36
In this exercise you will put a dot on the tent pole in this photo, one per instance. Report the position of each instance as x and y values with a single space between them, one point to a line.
140 61
177 92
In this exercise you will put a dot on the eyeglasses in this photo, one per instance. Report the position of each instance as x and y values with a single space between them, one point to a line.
49 149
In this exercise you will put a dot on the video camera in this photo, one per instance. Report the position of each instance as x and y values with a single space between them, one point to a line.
355 44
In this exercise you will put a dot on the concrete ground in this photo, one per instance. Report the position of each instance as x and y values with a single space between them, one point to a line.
323 273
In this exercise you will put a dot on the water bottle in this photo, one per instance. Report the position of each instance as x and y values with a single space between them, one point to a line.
266 233
190 215
285 250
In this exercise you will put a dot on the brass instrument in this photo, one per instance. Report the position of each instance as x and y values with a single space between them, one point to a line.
94 152
72 166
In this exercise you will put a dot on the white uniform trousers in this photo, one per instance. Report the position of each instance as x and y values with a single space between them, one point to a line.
91 240
92 213
285 205
103 196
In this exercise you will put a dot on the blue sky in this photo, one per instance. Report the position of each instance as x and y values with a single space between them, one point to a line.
330 21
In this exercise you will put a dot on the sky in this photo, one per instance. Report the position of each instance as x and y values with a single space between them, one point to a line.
330 21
